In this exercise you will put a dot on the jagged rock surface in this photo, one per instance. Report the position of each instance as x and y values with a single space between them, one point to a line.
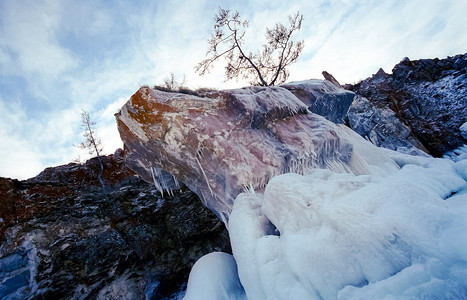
63 238
234 140
427 95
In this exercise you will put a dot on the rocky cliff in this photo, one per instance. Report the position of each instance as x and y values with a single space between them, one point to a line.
423 101
62 237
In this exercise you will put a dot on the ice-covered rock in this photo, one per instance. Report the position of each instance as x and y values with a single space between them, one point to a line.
463 130
237 140
215 277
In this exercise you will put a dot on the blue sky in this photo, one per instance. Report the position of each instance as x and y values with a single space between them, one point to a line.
58 57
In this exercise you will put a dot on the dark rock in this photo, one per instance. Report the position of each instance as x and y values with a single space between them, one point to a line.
427 95
330 78
84 243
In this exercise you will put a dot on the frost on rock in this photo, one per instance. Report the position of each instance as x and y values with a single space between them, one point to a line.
427 95
328 235
237 140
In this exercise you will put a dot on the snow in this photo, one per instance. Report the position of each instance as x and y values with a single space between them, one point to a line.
401 235
214 276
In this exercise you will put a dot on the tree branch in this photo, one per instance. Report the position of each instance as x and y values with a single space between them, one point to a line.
270 64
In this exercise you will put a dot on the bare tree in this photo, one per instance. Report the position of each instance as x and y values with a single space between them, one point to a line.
265 68
172 83
92 142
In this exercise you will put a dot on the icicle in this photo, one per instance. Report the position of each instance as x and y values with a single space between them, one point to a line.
249 189
177 183
302 164
164 184
205 177
156 182
161 182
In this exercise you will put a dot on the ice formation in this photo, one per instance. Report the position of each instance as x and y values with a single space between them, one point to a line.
163 181
214 277
329 235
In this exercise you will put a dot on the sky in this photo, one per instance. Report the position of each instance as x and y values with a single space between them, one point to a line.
59 57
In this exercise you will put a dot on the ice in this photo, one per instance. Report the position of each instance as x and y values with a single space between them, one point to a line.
337 235
214 276
163 181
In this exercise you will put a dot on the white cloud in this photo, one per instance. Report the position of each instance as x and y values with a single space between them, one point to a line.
19 158
22 163
381 34
28 32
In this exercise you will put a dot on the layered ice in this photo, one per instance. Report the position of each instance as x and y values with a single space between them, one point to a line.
330 235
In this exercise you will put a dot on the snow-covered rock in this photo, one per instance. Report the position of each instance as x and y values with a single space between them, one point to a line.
355 221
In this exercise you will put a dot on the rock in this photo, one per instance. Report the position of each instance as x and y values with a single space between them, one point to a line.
323 97
234 140
13 284
63 237
382 127
330 78
14 274
429 96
